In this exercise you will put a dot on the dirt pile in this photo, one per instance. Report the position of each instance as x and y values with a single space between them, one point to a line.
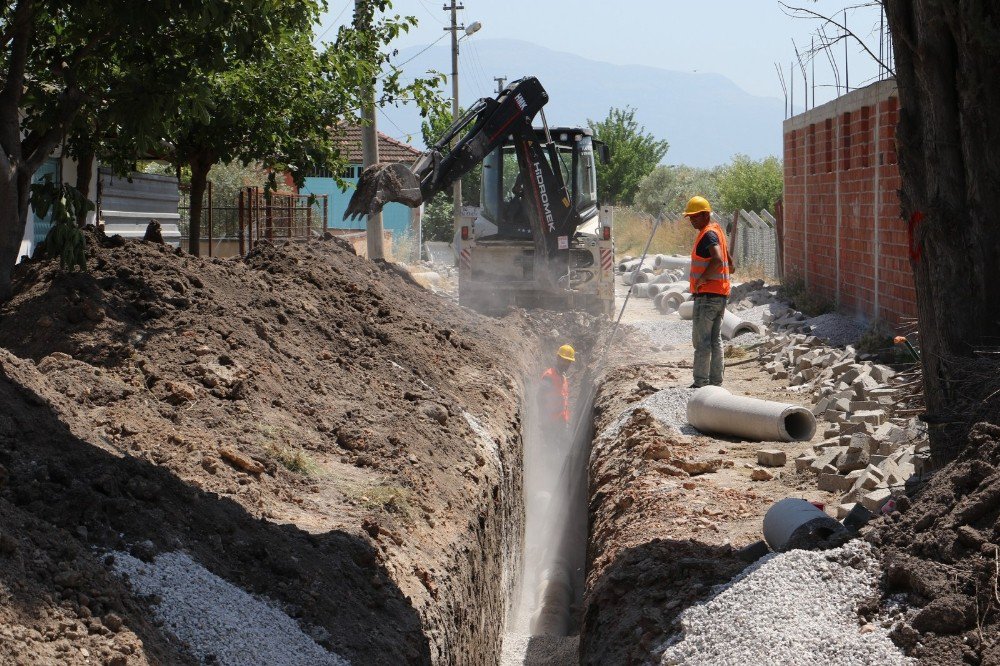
305 424
943 554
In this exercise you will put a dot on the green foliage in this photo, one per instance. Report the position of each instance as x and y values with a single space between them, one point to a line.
750 184
65 239
438 220
667 188
809 303
634 154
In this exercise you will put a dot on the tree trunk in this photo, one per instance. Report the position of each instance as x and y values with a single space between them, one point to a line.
84 172
200 166
15 187
948 131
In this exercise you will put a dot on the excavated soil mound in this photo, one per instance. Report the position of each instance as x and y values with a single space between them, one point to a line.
942 553
305 424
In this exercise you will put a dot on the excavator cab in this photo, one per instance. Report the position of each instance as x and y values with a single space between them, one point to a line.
505 193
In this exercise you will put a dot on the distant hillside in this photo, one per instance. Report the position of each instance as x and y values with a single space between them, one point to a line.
706 118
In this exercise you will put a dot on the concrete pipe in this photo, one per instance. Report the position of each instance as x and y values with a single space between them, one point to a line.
686 309
628 265
669 262
673 300
427 278
713 409
636 277
554 600
732 326
641 290
663 278
658 300
795 523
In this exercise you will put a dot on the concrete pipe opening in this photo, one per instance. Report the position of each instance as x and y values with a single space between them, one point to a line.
713 409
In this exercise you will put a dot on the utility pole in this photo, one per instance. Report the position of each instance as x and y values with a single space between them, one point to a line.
500 81
454 28
369 141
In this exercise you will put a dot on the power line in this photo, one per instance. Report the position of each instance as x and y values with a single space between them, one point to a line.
421 52
405 134
430 13
334 21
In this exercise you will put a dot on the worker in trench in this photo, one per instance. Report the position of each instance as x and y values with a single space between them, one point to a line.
553 399
709 285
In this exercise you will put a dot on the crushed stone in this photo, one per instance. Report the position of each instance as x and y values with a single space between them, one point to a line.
796 608
837 329
525 650
668 406
219 622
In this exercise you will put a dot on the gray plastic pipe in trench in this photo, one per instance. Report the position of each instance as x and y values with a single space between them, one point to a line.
796 523
713 409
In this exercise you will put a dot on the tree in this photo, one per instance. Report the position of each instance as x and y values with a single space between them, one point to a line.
119 60
438 220
666 189
949 126
750 184
634 153
285 106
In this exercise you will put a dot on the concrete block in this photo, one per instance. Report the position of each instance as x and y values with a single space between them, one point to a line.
873 416
841 405
862 385
863 405
841 367
821 406
856 457
881 373
844 510
831 432
853 372
877 460
835 416
833 483
827 458
874 500
771 458
780 374
829 469
804 462
852 428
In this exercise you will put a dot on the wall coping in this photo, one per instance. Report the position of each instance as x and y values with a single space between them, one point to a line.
867 96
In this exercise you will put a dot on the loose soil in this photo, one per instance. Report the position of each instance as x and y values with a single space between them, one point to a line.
942 553
307 425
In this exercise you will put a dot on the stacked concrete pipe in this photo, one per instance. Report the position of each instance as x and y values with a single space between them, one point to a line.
667 262
635 277
673 299
686 309
713 409
644 290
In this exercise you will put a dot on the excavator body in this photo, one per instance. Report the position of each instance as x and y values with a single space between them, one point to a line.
540 240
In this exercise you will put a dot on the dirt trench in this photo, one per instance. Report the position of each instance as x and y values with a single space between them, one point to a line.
306 425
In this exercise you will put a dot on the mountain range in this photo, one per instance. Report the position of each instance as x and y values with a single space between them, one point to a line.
706 118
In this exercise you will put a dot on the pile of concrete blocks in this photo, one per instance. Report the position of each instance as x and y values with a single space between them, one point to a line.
867 456
867 465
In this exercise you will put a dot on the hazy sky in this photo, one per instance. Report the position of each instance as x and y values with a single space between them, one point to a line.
740 39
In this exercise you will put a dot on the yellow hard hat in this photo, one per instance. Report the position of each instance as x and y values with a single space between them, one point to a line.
566 352
697 205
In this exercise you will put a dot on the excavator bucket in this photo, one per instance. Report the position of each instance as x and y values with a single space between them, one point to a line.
380 184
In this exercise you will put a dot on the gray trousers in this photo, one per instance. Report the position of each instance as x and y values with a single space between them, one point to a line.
706 335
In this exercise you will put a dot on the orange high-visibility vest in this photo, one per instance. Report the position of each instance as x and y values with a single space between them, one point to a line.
555 397
716 283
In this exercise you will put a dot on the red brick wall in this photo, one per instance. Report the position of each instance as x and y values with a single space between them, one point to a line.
842 229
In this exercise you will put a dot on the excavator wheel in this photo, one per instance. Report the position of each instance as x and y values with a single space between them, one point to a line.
380 184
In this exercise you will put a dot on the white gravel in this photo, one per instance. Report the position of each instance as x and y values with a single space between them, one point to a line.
836 329
524 650
794 609
217 621
668 406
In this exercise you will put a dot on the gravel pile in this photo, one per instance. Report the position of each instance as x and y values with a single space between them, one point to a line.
524 650
836 329
797 608
668 406
667 332
219 622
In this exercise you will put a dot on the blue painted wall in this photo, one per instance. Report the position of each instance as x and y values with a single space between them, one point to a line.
395 216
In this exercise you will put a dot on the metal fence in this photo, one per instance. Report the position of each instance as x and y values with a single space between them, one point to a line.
232 227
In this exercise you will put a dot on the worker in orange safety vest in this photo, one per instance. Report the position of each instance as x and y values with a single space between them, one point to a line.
709 285
553 394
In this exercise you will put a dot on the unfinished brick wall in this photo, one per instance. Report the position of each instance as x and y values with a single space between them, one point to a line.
842 230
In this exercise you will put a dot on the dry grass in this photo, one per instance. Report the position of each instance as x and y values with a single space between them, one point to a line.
384 496
632 230
793 289
290 457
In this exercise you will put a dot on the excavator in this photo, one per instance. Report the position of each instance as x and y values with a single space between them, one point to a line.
540 239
